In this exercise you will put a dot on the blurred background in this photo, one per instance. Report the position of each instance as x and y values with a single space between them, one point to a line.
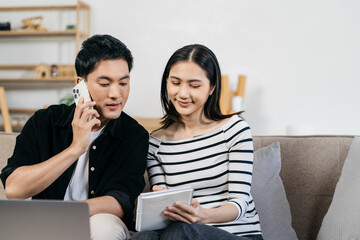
300 58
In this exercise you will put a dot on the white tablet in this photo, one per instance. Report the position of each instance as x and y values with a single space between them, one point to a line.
150 205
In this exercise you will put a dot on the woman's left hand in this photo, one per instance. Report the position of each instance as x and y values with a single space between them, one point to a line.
189 214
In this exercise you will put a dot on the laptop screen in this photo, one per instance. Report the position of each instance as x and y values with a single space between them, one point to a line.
44 219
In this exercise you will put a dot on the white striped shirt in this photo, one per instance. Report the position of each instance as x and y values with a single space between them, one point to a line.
218 165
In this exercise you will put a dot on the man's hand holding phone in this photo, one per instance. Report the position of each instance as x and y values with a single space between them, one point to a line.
83 120
81 90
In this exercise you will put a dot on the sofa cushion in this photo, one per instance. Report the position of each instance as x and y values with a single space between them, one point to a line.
342 220
269 194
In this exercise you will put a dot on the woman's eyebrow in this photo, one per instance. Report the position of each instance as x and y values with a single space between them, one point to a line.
190 80
175 77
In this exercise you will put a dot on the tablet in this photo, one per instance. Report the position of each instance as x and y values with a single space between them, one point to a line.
150 206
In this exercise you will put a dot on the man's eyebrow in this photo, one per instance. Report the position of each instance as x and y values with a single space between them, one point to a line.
110 79
125 77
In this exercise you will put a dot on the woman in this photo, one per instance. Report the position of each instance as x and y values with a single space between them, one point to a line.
200 147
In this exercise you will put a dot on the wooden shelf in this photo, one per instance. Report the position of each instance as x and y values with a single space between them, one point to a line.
79 32
51 79
42 77
59 33
17 67
33 79
28 8
22 110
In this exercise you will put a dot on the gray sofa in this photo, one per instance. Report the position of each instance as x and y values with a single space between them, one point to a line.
311 167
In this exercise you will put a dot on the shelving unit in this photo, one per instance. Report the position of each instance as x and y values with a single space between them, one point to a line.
40 33
80 32
31 79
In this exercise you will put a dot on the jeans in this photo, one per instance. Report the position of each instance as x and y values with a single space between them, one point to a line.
184 231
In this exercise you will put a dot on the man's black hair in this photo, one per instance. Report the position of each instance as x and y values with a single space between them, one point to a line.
98 48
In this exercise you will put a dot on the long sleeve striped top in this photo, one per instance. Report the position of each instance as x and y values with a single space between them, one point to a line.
218 165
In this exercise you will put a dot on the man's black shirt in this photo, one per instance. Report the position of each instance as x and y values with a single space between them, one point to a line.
117 158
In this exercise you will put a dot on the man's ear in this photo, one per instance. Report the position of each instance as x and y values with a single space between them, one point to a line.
78 79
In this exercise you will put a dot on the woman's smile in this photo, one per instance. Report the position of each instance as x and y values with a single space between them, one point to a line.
183 104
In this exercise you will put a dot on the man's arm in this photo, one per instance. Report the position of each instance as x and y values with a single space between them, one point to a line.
27 181
126 180
105 204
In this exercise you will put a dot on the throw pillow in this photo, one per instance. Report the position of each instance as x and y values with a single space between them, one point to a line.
342 221
269 194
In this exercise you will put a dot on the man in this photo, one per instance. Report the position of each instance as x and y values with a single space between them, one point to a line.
60 154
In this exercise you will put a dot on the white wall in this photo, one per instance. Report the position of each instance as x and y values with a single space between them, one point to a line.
301 58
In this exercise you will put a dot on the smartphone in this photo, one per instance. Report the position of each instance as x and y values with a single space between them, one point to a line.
81 90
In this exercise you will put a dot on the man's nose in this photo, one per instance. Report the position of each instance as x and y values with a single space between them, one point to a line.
114 91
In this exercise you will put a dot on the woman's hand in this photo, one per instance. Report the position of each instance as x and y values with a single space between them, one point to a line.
157 188
189 214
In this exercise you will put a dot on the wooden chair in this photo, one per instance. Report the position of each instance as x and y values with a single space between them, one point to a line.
227 95
5 111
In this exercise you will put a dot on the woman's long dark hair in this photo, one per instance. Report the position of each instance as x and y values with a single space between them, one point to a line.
207 60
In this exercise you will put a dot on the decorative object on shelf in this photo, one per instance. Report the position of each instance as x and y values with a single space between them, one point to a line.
54 70
33 24
5 26
66 71
231 101
70 27
43 71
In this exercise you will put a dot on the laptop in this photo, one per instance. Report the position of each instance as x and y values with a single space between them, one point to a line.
44 219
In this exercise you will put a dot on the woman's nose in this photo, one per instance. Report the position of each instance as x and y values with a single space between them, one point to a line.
184 91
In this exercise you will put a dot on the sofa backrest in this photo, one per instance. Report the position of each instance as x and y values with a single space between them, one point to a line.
310 168
7 143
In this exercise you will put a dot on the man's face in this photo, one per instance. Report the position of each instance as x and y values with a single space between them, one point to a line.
109 87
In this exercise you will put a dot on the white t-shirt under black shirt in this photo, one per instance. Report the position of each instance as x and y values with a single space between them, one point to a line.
79 183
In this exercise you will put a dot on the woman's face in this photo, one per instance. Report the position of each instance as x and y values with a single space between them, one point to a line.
188 88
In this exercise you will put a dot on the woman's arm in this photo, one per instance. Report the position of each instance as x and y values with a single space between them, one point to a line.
154 168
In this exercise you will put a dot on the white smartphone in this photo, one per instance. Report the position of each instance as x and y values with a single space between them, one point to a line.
81 90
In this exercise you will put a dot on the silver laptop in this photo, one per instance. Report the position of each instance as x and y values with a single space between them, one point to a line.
44 219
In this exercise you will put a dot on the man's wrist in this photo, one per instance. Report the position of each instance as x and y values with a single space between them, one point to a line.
75 151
